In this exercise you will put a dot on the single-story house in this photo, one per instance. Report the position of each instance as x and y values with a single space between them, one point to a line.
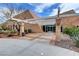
45 24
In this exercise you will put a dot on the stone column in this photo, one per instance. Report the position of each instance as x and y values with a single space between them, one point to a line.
58 29
22 29
57 36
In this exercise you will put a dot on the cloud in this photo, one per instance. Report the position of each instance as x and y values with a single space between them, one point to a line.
69 6
65 7
43 9
54 12
40 8
2 16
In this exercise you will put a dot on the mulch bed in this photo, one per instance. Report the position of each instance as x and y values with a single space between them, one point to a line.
68 44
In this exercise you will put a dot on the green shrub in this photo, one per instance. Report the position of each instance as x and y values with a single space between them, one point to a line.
73 32
29 30
7 31
26 31
12 31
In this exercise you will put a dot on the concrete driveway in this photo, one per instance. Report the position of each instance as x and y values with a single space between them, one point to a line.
39 46
14 47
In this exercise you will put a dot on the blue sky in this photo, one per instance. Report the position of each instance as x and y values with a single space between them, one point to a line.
42 9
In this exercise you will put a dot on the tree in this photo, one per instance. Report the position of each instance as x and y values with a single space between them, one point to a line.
10 11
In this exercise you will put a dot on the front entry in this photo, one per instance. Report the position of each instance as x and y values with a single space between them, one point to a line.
47 28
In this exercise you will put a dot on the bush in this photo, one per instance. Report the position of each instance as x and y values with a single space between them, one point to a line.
26 31
73 32
4 27
29 31
12 31
7 32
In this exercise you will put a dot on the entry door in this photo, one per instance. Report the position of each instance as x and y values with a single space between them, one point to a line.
47 28
50 28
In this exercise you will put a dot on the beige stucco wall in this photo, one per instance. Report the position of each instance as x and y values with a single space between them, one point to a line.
70 21
35 27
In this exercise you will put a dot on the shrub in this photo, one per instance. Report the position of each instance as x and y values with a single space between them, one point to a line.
26 31
12 31
29 30
7 31
73 32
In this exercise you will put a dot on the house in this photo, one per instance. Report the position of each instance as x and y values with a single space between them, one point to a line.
36 24
27 15
70 18
46 24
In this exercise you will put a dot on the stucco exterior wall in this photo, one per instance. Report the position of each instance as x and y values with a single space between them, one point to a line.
34 27
70 21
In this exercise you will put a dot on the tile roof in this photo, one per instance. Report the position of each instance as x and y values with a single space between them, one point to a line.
28 14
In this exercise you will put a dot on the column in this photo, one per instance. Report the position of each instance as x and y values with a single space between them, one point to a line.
22 29
58 29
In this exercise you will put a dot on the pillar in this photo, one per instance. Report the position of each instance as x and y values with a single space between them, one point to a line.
22 29
58 29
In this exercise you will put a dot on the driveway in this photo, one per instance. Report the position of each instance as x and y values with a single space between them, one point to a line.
38 47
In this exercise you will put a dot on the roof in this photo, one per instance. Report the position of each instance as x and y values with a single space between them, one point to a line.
28 14
64 14
68 12
45 20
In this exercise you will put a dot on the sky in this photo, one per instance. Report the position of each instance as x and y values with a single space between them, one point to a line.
41 9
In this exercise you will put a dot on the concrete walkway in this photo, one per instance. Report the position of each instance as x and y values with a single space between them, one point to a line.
14 47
